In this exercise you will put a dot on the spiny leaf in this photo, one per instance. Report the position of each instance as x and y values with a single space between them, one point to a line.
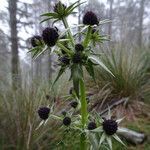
93 141
70 11
100 63
72 5
90 70
76 75
50 15
109 113
41 123
102 139
46 19
99 129
119 120
61 71
40 53
104 21
109 142
118 139
64 40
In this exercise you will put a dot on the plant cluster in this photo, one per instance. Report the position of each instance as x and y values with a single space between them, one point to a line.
75 57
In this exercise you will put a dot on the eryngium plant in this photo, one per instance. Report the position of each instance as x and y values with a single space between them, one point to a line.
75 57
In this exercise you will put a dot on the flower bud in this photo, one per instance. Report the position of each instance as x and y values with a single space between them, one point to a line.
64 59
92 126
110 126
90 18
36 40
44 112
74 104
79 47
67 121
50 36
77 58
59 8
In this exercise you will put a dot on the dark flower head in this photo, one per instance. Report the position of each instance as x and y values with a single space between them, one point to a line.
92 126
110 126
90 18
74 104
59 8
67 121
36 40
79 47
44 112
64 59
47 97
50 36
64 113
77 58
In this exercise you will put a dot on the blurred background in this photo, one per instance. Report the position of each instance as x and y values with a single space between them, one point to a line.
24 83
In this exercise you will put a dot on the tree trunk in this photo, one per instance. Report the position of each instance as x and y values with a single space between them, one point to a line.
49 57
16 77
110 18
141 14
79 21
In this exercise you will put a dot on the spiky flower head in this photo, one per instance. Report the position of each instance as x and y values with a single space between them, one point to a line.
77 58
43 112
36 40
110 126
74 104
67 121
59 8
64 113
50 36
47 96
92 126
90 18
79 47
65 60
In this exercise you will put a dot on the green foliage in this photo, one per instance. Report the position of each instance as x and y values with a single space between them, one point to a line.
62 11
19 119
129 70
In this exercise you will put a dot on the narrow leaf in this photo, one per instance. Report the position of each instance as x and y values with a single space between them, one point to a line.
71 6
50 15
99 129
119 120
118 139
41 52
109 142
109 113
90 70
46 19
93 141
61 71
100 63
102 139
41 123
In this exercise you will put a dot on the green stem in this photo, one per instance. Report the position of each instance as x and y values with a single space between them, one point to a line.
64 48
84 113
83 145
69 31
88 36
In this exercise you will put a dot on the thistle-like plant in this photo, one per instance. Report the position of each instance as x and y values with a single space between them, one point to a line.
74 57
